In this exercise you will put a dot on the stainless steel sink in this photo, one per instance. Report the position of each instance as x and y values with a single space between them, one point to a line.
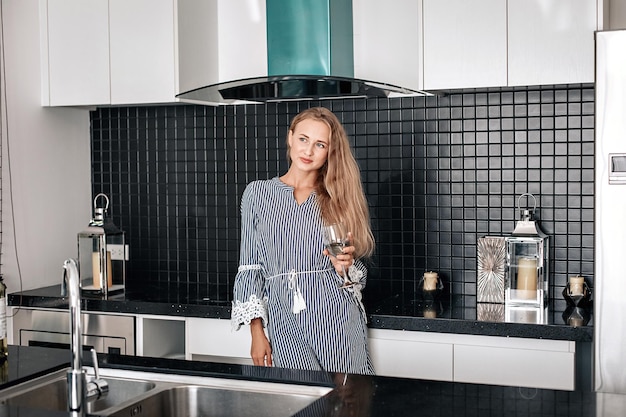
50 393
192 401
134 393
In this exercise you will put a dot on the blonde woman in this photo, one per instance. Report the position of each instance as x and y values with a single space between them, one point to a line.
287 283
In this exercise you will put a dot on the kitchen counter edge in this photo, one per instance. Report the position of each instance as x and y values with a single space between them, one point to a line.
221 310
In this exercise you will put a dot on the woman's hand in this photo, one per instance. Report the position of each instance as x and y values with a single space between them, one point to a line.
346 259
261 350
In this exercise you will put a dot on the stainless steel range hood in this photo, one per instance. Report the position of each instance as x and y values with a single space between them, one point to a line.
309 56
293 87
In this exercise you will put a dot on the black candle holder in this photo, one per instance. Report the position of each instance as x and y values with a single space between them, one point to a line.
576 316
432 309
578 300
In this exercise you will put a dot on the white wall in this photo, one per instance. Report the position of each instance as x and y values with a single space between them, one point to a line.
617 14
48 154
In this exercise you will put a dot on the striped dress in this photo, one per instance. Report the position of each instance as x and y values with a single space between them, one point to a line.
285 279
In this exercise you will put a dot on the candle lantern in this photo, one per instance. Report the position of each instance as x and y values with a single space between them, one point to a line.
526 271
102 254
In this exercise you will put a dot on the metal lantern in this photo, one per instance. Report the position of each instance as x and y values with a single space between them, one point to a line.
526 272
102 254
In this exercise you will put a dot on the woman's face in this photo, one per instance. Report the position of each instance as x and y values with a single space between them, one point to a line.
308 144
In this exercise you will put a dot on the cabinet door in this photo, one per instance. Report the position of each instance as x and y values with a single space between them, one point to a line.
464 44
142 51
249 35
211 49
75 52
387 41
410 355
516 362
213 340
551 41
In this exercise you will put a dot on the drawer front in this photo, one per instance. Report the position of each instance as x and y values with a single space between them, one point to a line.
412 359
515 367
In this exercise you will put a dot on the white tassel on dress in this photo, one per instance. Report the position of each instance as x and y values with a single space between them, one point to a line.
298 300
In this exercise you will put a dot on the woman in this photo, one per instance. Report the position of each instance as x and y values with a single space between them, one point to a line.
287 282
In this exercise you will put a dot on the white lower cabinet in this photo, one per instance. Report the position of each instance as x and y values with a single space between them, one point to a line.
160 336
516 362
213 340
411 355
537 363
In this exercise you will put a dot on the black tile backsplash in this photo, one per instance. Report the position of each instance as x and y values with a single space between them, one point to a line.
439 172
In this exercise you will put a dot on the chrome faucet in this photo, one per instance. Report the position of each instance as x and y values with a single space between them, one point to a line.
79 390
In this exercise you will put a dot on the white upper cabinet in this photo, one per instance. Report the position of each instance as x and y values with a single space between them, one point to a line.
388 41
220 40
142 49
104 52
491 43
551 41
119 52
464 43
122 52
74 52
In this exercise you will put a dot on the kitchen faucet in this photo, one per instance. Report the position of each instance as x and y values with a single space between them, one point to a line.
78 389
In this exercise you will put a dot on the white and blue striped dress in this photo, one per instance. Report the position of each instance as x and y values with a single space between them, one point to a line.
281 258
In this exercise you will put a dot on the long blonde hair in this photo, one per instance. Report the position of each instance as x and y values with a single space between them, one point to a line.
339 189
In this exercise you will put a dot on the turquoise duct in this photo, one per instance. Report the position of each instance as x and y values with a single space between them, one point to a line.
310 37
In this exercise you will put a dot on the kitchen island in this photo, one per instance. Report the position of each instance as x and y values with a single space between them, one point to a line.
358 396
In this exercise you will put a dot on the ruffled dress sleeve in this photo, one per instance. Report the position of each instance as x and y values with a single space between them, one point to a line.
249 300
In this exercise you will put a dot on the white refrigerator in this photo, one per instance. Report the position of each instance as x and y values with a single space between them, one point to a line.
610 233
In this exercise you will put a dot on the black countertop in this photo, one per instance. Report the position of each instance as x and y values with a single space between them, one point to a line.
25 363
445 314
370 396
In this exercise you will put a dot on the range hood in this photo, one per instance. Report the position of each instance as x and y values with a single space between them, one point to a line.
309 56
293 87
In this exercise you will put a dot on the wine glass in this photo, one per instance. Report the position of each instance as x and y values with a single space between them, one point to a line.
335 239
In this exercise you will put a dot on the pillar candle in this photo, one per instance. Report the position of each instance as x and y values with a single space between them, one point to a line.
95 264
527 276
430 281
576 285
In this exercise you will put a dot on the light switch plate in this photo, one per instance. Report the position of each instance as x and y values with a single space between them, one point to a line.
118 252
617 168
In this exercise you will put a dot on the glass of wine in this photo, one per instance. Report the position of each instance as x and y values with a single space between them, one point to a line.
335 239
